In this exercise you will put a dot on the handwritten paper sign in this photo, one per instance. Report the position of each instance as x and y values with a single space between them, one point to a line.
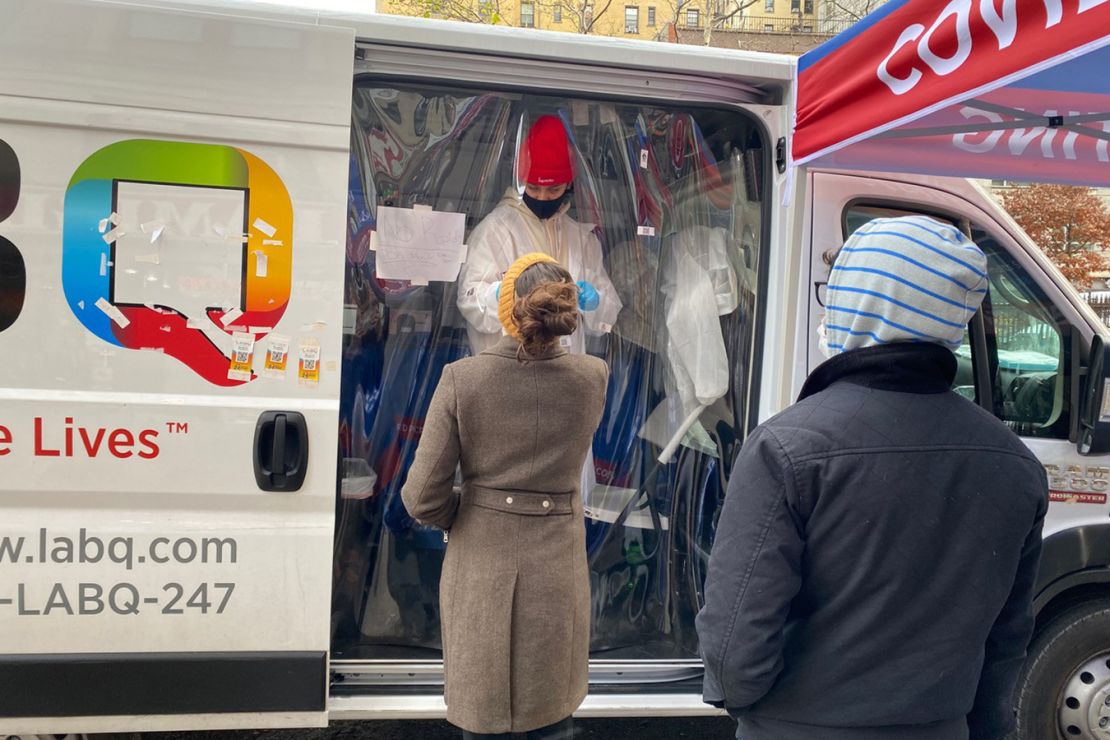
419 244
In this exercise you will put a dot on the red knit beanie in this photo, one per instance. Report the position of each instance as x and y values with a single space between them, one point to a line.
545 157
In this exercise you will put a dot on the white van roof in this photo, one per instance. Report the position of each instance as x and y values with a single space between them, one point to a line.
770 73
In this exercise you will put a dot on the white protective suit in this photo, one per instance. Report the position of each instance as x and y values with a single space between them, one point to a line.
699 286
511 231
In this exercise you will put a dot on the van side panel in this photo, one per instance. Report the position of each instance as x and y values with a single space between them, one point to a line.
180 215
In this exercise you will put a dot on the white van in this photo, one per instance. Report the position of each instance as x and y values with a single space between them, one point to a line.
215 367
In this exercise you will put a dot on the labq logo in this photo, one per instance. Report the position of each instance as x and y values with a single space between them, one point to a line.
258 262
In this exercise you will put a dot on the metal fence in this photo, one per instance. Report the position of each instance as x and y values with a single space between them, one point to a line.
1101 305
788 24
1018 331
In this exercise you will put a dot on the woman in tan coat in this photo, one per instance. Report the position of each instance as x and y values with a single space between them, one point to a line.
515 596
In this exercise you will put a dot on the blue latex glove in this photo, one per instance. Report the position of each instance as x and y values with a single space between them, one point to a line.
588 298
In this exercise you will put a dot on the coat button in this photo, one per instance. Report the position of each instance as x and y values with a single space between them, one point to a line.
509 499
546 504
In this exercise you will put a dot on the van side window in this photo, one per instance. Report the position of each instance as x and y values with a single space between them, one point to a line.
1026 354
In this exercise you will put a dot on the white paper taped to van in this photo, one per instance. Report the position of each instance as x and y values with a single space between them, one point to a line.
113 313
419 244
264 227
231 316
231 236
188 271
112 235
154 228
113 219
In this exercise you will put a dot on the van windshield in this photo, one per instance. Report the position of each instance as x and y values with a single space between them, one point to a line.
673 198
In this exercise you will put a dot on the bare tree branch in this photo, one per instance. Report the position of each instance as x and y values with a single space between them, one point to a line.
678 7
850 11
596 16
715 19
720 19
583 13
469 11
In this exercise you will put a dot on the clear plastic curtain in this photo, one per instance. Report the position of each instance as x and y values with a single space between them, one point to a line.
675 200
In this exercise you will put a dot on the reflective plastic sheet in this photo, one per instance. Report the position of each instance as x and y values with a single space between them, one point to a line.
674 197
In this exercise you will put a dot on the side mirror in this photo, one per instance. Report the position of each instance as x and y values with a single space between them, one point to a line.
1094 414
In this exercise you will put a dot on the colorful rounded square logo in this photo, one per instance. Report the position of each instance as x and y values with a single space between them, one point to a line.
174 247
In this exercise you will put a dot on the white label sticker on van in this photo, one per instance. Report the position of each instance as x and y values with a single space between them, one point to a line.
242 355
277 356
308 368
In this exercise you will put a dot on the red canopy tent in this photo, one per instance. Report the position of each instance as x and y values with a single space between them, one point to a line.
1006 89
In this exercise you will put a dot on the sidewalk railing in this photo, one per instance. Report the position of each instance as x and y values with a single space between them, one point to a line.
778 24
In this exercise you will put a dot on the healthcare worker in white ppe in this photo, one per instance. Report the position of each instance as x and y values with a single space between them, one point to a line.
536 221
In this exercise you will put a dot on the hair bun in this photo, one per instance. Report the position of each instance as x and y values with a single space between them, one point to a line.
548 312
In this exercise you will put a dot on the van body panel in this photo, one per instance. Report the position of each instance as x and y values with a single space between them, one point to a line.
180 210
180 60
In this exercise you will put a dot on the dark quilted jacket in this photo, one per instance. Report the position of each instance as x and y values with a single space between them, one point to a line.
873 569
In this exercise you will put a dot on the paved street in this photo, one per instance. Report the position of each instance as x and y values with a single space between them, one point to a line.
718 728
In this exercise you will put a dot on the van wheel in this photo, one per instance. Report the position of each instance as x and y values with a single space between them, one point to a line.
1064 691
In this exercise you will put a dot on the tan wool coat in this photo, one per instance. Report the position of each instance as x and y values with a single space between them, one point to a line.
515 592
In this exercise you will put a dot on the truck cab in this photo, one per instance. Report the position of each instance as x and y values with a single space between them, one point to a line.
1026 358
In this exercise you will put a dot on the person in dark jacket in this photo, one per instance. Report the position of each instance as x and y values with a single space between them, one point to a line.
873 570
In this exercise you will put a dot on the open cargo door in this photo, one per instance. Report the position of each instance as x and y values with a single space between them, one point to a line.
677 183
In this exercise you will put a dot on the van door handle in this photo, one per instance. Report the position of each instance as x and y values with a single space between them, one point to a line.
280 450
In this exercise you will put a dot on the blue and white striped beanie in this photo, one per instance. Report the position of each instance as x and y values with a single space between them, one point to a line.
905 279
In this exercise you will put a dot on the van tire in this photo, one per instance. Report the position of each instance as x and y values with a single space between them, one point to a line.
1066 673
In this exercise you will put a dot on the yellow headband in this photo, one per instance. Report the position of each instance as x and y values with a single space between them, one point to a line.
508 290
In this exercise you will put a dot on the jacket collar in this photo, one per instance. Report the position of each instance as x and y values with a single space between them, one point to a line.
908 367
507 347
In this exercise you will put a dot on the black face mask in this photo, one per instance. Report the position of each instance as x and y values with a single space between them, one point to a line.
544 209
